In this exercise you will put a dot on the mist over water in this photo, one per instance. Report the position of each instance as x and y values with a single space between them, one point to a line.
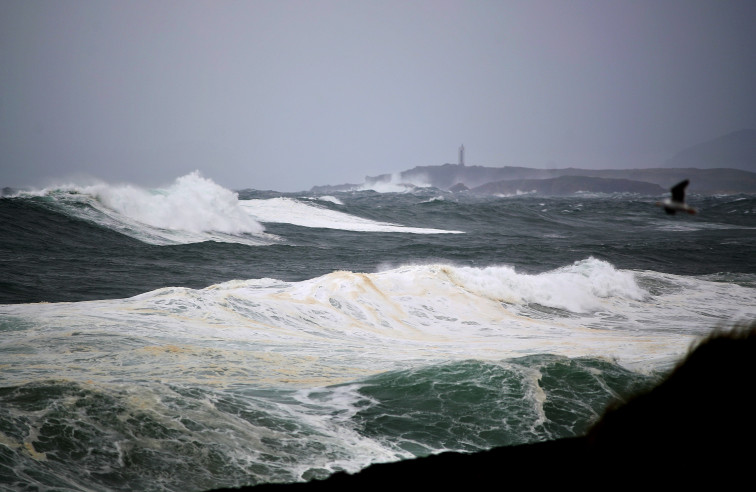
215 338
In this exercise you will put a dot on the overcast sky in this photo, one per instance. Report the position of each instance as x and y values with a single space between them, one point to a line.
286 94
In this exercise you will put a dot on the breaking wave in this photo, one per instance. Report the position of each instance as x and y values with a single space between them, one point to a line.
416 314
292 211
192 209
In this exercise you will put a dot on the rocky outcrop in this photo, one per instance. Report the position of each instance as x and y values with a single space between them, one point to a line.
459 187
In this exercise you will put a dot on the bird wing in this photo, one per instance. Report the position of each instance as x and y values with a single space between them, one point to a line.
678 191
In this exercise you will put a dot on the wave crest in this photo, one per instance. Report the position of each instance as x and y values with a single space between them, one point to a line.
292 211
578 288
192 209
192 203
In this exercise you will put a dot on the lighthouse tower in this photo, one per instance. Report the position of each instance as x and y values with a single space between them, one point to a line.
462 155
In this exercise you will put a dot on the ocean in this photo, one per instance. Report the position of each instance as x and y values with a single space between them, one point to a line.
193 337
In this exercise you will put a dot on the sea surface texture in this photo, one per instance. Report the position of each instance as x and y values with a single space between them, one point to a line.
192 337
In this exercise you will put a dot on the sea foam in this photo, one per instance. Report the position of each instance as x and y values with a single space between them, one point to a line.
192 209
192 203
581 287
346 325
291 211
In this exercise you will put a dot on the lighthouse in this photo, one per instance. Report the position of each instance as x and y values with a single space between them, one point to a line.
462 155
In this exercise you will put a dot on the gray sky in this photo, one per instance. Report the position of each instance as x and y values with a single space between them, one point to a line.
285 94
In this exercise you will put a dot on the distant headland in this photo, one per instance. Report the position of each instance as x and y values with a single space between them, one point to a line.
724 165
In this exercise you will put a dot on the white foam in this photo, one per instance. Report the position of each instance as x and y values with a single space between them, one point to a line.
344 325
291 211
192 203
689 226
578 288
439 198
516 193
329 198
396 184
192 209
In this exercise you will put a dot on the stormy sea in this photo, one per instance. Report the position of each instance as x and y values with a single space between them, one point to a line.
193 337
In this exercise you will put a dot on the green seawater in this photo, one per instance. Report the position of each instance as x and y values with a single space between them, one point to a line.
77 436
200 389
474 405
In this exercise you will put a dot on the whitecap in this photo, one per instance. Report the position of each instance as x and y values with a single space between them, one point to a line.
291 211
192 209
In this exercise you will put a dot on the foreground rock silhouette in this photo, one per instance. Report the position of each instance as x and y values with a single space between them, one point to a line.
695 428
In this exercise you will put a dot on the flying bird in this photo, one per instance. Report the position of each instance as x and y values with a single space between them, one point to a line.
677 202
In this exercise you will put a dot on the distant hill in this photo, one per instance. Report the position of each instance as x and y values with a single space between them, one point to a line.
735 150
492 179
724 165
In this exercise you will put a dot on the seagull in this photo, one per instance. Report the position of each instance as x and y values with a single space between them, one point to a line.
677 202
